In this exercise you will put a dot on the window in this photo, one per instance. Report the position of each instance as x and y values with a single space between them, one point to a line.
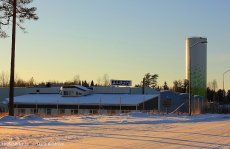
48 111
23 111
19 111
34 111
78 93
74 112
65 92
62 111
71 93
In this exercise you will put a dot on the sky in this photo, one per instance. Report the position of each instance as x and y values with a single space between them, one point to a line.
124 38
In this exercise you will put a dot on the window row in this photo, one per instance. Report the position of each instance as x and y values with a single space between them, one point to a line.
71 93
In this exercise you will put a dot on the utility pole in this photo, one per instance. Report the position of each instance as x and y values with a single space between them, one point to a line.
11 92
223 82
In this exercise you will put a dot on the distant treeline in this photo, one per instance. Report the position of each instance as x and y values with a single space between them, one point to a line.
213 94
18 82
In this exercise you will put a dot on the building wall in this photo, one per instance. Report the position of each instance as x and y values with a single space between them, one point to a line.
175 100
75 106
198 56
60 112
4 92
136 90
151 104
178 99
48 90
111 90
147 90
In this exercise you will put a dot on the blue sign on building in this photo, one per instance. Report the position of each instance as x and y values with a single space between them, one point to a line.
121 82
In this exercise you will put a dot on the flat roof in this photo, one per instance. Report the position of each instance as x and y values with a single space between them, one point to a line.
77 86
93 99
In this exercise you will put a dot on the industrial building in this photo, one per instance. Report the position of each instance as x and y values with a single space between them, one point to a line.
69 100
55 99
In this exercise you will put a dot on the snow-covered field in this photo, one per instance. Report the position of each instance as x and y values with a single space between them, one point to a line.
124 131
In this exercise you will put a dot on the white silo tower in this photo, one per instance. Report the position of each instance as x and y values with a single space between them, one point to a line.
196 53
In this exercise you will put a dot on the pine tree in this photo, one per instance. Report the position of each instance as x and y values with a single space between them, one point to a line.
147 80
153 80
22 13
14 9
165 86
85 84
150 80
92 83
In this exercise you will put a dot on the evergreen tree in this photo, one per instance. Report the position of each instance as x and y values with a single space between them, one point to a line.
210 94
181 86
22 13
138 85
165 86
177 86
185 86
147 80
85 84
228 97
92 83
220 95
150 80
153 80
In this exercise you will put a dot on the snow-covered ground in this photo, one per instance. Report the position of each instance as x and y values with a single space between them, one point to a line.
133 130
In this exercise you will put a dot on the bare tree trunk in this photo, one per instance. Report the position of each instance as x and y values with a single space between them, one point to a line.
105 80
11 93
2 78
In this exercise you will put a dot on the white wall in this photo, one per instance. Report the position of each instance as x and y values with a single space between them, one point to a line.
111 90
198 56
4 92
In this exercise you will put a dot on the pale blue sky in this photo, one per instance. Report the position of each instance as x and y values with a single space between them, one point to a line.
123 38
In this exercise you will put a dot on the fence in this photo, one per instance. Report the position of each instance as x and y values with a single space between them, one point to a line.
67 112
199 106
215 107
196 106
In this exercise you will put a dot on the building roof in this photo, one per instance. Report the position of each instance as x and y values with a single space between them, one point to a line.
83 88
93 99
78 87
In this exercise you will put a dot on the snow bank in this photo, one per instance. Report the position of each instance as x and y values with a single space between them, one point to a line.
130 118
31 117
8 118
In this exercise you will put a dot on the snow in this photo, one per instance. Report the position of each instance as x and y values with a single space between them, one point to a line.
8 118
131 118
132 130
90 99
